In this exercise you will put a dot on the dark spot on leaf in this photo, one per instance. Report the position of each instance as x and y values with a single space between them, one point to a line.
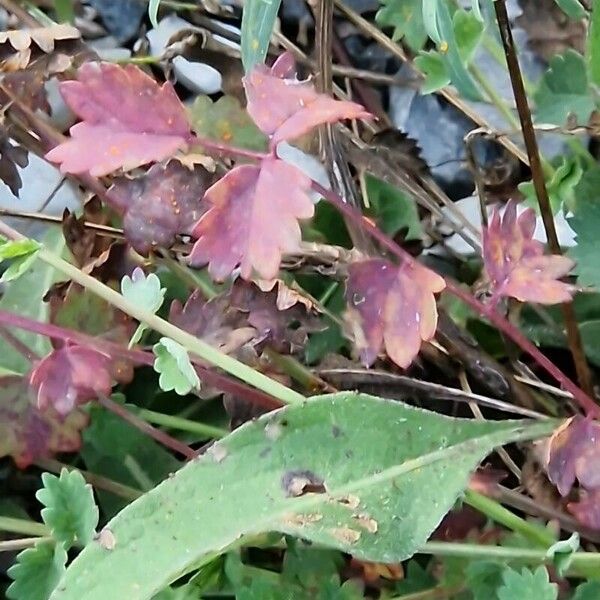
298 483
265 452
336 431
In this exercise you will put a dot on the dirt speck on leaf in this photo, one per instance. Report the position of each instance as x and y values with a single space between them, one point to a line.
350 501
366 522
345 534
301 520
106 538
298 483
218 452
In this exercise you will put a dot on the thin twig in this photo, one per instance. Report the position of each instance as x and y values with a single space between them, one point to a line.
537 173
349 378
18 345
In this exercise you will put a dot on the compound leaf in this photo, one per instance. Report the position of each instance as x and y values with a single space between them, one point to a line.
515 262
239 229
70 510
128 120
393 307
285 108
376 501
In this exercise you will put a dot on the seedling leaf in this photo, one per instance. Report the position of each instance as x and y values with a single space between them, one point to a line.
70 510
176 370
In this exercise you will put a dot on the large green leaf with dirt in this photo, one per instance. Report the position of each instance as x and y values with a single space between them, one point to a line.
364 475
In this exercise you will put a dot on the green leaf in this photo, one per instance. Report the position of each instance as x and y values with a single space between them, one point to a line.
593 45
561 553
587 591
331 338
406 17
564 90
469 32
24 296
153 6
527 585
176 370
453 56
65 12
115 449
484 577
20 253
572 8
416 579
430 20
587 313
37 572
258 22
585 222
226 121
561 186
145 292
70 510
382 479
432 65
392 209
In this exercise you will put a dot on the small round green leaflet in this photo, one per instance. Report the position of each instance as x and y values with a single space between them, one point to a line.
368 476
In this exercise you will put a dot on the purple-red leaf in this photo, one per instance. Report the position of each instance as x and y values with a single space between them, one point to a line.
161 204
574 454
28 433
128 120
285 108
393 307
252 219
71 376
516 264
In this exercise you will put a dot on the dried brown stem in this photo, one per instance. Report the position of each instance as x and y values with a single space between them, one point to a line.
539 184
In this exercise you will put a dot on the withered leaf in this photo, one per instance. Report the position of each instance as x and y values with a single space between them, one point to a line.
70 376
161 204
575 454
285 108
43 37
516 264
11 157
28 433
285 330
128 120
252 219
393 307
215 321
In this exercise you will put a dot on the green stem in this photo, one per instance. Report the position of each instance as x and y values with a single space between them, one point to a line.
525 555
23 526
498 513
173 422
500 103
191 343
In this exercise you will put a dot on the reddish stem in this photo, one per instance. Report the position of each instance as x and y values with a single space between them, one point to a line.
223 148
586 403
18 345
211 378
156 434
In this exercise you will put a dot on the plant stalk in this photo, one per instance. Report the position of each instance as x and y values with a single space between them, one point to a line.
23 526
22 543
539 183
